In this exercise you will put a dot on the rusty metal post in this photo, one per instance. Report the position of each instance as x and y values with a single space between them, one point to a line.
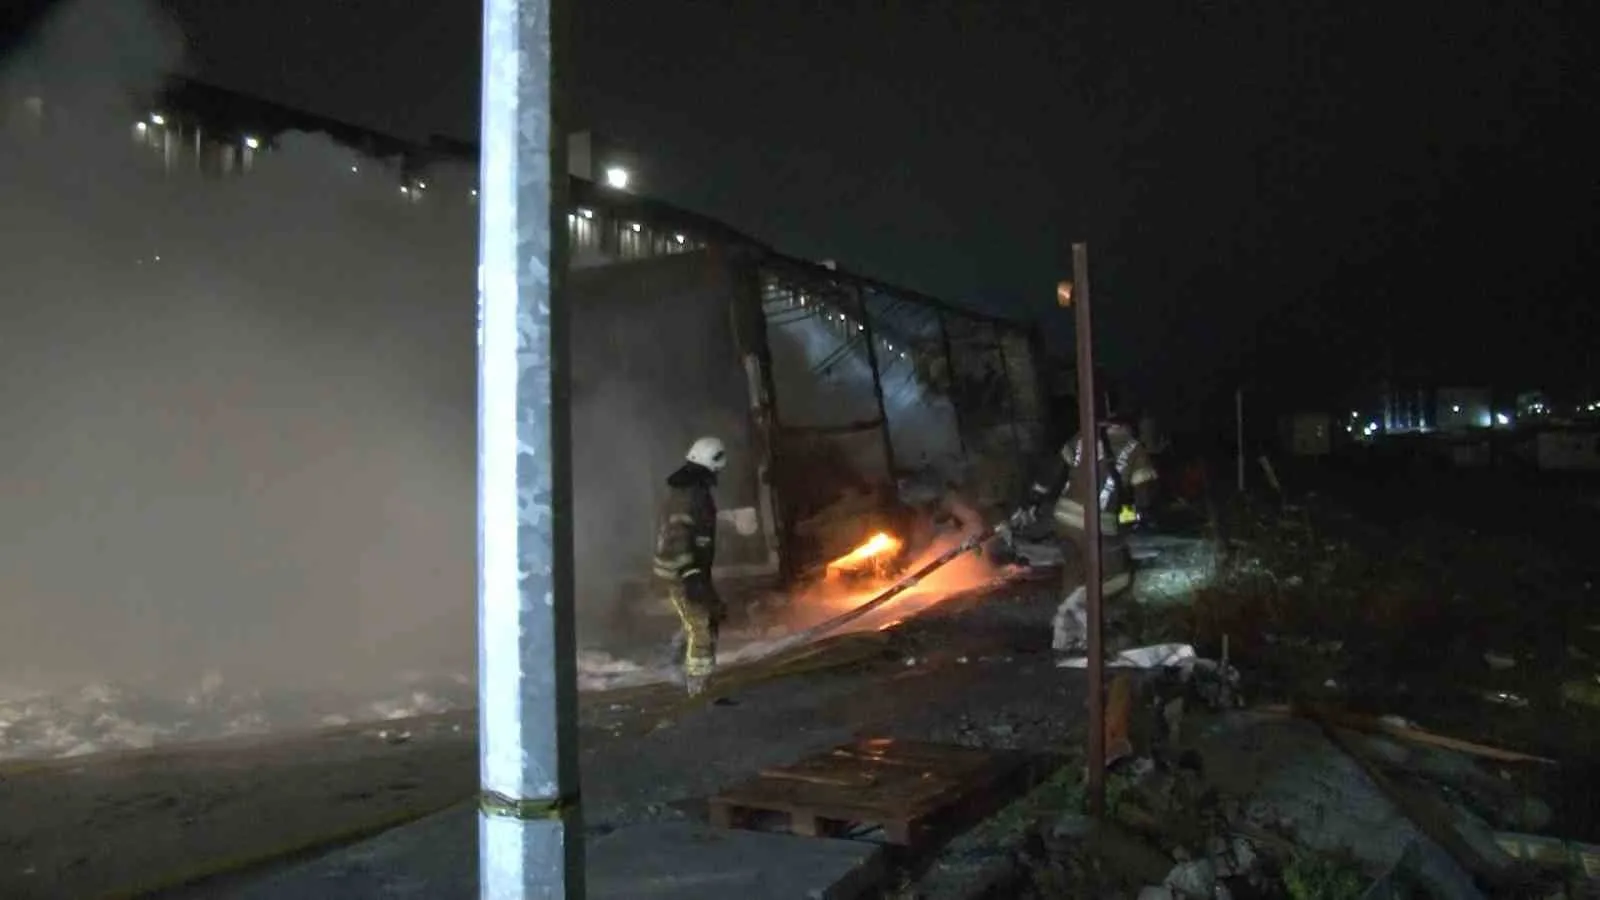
1089 442
530 831
877 378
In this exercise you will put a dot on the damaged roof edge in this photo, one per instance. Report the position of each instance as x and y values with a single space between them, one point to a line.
236 109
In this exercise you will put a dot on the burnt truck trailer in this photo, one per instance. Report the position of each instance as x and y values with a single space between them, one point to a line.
829 388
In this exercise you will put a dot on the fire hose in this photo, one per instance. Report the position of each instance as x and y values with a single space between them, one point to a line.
906 583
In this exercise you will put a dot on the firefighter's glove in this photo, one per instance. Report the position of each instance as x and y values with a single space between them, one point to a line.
1023 518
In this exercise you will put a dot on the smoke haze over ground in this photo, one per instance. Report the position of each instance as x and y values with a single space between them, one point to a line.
238 412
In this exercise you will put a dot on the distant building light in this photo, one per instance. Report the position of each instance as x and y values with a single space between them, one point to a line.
422 185
1455 407
1502 419
586 212
252 143
636 227
474 192
404 189
617 177
354 169
679 238
157 119
140 126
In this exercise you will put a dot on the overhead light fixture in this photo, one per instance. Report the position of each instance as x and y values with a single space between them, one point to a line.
404 189
586 212
140 126
635 226
157 119
679 238
617 177
252 143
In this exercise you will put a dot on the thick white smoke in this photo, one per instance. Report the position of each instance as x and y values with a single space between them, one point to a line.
238 429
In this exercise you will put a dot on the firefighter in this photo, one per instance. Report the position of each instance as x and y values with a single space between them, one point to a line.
686 548
1126 487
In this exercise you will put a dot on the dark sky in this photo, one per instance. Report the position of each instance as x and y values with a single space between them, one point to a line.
1297 193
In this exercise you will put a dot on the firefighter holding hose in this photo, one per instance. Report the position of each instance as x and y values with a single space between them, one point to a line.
1127 483
686 548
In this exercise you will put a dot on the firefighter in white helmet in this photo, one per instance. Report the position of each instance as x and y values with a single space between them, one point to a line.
686 548
1127 480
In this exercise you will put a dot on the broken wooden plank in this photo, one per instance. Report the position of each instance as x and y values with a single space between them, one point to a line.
1427 817
858 780
1375 725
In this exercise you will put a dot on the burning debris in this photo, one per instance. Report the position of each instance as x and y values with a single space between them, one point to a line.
875 557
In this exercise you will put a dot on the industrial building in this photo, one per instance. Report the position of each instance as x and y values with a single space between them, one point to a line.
829 386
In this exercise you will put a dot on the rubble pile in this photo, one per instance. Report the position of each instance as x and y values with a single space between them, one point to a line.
1292 763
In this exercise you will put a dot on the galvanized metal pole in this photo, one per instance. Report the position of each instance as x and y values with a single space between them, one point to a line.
530 830
1088 436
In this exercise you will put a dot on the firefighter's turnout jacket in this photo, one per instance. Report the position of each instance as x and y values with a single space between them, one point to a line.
686 548
1124 464
686 541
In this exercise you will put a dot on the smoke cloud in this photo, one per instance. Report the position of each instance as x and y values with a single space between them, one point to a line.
238 411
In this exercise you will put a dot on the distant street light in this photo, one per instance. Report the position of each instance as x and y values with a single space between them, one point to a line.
617 177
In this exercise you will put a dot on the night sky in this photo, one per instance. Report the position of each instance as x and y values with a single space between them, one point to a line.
1299 195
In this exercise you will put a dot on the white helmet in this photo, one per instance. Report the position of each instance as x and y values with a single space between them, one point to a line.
710 453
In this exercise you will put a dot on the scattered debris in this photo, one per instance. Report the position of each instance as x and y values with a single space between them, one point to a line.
1506 698
1193 880
1584 692
1499 661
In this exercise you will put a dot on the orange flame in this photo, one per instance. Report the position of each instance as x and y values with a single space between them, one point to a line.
835 594
879 545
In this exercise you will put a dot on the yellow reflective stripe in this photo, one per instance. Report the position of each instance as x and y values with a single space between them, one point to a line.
687 572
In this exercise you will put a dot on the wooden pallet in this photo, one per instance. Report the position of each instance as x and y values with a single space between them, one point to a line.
909 789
